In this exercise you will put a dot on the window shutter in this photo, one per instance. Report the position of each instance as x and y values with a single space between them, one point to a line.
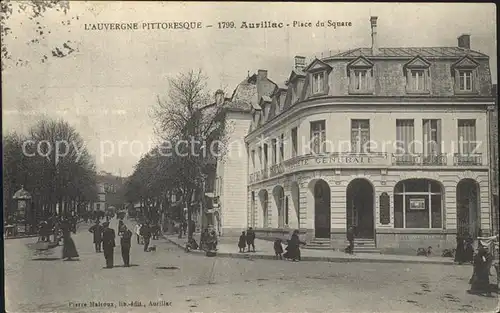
409 75
438 144
325 82
475 81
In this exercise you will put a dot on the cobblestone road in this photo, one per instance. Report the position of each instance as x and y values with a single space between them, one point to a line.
191 283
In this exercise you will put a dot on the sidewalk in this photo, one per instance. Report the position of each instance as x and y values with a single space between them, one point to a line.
264 250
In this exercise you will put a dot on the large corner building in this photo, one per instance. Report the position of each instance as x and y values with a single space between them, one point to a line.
393 141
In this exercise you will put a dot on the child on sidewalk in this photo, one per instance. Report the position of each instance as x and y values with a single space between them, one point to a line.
278 249
242 242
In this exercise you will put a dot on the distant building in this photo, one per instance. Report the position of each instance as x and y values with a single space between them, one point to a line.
110 192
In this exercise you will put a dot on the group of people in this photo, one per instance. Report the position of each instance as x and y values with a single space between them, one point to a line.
208 240
104 237
146 231
53 226
247 238
483 260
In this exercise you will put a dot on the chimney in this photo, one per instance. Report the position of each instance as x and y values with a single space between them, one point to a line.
262 74
373 21
300 63
219 97
464 41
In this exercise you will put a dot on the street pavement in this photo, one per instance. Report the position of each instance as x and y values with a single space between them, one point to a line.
184 282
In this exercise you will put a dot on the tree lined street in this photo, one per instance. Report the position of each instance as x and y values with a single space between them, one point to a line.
184 282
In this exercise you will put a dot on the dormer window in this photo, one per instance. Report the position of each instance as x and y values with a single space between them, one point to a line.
318 82
360 73
317 77
417 76
465 76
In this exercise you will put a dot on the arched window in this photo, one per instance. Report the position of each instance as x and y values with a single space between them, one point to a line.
418 203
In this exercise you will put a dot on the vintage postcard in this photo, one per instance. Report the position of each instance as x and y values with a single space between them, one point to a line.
249 156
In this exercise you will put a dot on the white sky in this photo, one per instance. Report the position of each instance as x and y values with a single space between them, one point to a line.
106 90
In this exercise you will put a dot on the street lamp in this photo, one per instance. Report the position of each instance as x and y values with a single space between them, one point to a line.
23 212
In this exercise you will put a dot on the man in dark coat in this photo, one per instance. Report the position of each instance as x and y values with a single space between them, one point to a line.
146 235
251 239
192 226
108 244
97 230
125 243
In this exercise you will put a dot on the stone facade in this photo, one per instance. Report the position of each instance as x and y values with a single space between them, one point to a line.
378 86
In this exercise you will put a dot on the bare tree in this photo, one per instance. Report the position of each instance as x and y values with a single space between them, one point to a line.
193 125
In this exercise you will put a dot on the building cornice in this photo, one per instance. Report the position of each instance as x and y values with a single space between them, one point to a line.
371 102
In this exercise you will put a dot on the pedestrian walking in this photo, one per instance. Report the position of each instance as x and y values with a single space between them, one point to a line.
125 243
350 239
146 235
183 227
97 230
204 238
69 248
460 250
242 242
251 239
278 249
480 281
137 231
192 227
469 249
491 246
120 227
293 247
108 244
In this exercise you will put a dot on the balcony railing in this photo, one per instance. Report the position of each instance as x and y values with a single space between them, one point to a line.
419 159
467 159
439 159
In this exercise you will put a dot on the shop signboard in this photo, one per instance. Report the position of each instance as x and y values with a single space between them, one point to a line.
417 204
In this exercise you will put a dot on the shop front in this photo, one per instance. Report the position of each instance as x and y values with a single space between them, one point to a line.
400 209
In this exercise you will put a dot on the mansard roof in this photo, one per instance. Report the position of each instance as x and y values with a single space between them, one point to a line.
425 52
465 62
295 74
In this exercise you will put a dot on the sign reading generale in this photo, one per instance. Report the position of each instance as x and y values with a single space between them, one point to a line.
317 160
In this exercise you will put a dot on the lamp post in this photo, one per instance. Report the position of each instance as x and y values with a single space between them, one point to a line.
23 211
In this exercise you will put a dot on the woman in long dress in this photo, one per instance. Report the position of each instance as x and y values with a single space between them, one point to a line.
293 248
69 248
480 281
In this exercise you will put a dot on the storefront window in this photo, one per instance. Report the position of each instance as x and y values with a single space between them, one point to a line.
418 204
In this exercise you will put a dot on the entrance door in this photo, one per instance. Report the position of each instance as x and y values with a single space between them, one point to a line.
322 209
360 208
467 207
